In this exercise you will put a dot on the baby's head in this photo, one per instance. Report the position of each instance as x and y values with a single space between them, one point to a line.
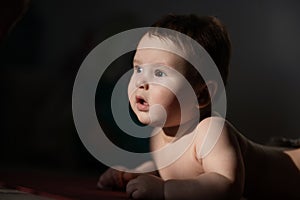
155 81
208 31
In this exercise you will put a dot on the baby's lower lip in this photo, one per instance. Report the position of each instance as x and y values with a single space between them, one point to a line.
142 107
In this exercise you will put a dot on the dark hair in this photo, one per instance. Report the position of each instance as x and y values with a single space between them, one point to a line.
208 31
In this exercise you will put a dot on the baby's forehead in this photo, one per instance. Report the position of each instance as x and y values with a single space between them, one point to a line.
170 49
164 43
148 55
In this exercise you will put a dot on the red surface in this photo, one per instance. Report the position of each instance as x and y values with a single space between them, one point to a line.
57 185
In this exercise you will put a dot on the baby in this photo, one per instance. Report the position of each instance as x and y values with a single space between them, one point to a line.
205 162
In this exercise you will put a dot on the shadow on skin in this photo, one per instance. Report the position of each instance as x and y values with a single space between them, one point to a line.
275 174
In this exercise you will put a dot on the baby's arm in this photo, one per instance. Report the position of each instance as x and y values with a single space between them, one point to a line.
118 176
112 178
223 177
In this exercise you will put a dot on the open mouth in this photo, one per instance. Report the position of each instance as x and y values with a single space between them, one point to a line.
142 104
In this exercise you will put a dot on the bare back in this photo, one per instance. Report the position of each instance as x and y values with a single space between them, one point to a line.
270 173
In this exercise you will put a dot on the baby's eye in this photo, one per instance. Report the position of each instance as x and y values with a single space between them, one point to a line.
159 73
138 69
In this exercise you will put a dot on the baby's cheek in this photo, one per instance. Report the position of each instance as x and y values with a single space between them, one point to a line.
165 96
131 103
131 87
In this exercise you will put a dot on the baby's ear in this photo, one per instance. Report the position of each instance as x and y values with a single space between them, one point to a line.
205 92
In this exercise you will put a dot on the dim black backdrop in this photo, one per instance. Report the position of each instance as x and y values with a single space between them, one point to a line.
40 58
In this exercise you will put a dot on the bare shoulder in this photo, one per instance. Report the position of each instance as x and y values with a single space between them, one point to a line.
216 133
220 149
294 154
264 172
267 173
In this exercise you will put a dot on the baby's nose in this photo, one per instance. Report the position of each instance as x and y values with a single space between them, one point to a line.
142 84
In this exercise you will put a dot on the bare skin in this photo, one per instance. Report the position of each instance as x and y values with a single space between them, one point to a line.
234 168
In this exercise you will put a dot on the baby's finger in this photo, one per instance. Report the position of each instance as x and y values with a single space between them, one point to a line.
128 176
103 187
131 187
106 180
118 179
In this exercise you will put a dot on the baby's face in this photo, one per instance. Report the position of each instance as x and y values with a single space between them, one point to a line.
157 81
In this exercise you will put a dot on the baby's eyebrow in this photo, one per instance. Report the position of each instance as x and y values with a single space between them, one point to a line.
136 61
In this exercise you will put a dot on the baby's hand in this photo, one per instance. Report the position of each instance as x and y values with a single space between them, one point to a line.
146 187
115 179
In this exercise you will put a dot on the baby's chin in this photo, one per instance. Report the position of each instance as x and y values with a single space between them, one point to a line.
156 116
144 121
143 117
153 121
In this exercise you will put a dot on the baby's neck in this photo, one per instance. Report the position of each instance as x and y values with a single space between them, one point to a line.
175 132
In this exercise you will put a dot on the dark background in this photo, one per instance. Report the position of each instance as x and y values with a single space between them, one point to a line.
40 57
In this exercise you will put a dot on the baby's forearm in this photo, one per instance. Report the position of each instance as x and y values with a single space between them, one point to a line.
210 186
147 167
154 173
